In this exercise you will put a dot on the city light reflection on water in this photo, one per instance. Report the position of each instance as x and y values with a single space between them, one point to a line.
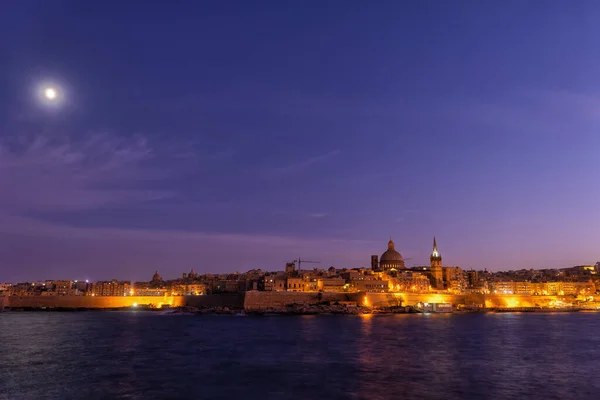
146 355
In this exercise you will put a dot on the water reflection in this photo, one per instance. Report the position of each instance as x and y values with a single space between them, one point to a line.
148 356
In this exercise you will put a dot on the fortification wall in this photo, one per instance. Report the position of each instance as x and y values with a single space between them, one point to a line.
483 300
215 300
406 299
231 300
255 300
498 300
91 301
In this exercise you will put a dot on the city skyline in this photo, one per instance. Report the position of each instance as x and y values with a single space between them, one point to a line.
241 136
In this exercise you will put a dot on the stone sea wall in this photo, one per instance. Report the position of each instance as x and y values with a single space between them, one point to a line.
261 300
230 300
91 301
482 300
235 301
255 300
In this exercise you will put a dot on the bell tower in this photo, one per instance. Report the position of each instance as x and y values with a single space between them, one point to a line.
435 260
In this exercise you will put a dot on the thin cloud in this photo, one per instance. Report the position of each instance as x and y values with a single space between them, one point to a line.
106 253
46 173
406 214
303 165
222 155
318 215
535 113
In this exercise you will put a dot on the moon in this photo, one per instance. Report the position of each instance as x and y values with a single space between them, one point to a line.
50 93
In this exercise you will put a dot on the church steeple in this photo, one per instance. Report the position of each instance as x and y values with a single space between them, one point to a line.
437 274
435 254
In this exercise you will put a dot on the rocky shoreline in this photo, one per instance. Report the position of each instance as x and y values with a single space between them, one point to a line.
298 309
302 309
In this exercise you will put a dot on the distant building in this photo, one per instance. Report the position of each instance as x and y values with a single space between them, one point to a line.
409 281
473 278
452 274
331 284
62 288
295 284
390 260
156 287
435 260
157 280
274 282
110 288
371 285
24 289
290 268
187 289
375 262
80 288
4 287
144 290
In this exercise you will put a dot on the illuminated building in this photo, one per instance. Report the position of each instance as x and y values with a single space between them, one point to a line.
279 283
186 289
391 260
435 260
4 287
473 277
24 289
331 284
110 288
295 284
409 281
371 286
62 288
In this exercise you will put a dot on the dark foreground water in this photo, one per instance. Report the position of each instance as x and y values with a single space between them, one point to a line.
149 355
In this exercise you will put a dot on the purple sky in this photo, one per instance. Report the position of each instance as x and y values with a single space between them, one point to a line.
224 136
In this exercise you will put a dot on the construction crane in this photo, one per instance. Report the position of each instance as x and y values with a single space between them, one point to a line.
300 261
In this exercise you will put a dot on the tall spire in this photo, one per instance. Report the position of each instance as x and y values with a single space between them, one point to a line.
435 253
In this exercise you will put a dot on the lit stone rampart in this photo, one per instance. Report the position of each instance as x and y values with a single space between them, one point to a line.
92 301
482 300
255 300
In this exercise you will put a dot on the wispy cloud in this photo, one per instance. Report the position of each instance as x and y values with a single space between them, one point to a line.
406 215
44 178
222 155
540 113
301 214
105 253
318 215
58 173
303 165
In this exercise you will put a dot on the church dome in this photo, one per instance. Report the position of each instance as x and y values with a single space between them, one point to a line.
391 259
391 255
